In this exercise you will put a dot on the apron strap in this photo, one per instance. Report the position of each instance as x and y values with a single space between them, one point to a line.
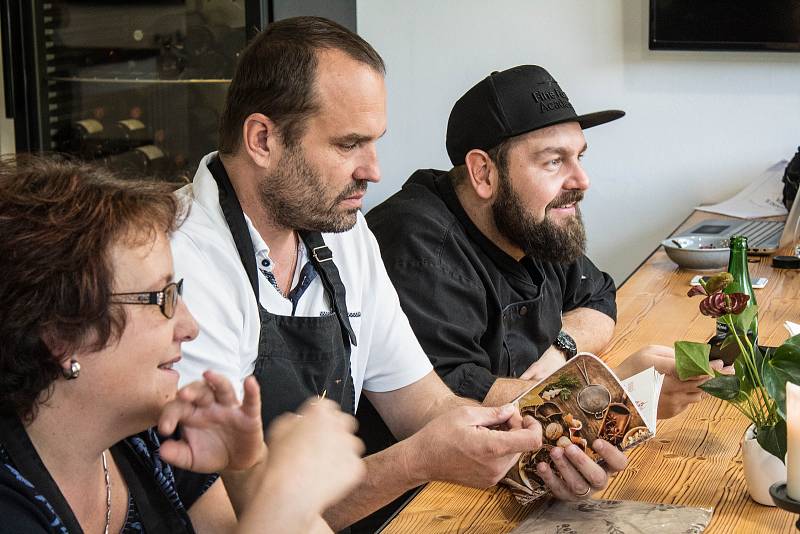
322 257
234 215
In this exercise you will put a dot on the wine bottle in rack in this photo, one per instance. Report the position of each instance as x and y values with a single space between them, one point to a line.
145 160
155 161
88 136
127 134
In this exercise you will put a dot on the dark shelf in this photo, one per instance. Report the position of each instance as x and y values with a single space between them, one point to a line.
77 79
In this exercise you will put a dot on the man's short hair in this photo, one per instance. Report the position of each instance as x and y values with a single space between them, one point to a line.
276 73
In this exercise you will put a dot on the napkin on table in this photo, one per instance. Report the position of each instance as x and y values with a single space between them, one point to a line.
793 328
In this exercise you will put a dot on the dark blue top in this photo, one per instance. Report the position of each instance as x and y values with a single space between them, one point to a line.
160 495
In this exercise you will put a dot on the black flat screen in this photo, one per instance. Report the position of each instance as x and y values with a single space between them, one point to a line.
725 25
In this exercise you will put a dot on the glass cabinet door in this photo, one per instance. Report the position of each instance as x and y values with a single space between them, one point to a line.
138 85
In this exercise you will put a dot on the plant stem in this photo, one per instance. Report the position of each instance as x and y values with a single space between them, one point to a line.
770 406
750 365
757 413
751 416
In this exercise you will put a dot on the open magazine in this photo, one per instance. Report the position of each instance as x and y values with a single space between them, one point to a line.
581 401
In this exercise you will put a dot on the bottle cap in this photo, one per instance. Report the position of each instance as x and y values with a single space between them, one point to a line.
786 262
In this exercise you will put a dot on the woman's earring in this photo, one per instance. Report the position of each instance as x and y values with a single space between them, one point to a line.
74 370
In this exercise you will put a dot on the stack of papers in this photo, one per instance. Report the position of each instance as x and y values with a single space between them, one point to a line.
644 390
762 198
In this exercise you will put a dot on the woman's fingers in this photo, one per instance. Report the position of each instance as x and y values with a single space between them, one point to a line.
199 393
172 414
222 388
251 404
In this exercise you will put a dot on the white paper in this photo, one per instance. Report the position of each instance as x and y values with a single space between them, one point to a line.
644 390
793 328
762 198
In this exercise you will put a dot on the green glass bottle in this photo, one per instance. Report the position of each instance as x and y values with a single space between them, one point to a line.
737 267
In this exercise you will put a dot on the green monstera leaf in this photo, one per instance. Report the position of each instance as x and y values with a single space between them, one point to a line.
691 359
773 439
790 346
725 387
782 366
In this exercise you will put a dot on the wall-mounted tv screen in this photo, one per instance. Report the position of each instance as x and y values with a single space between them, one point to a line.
725 25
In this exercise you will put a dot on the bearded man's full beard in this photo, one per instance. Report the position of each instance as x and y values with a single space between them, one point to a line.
295 196
545 240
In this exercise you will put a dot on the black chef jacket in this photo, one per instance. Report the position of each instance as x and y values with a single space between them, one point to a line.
477 312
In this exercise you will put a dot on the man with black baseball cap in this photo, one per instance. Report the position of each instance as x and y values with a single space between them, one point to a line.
510 103
488 258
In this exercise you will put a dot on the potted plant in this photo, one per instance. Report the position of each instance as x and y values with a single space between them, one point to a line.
758 387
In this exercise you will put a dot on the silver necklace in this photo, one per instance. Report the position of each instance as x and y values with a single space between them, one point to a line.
108 493
293 269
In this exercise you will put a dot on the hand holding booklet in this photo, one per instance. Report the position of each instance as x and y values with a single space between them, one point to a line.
581 401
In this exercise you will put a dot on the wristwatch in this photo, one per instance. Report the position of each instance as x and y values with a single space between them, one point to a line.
566 344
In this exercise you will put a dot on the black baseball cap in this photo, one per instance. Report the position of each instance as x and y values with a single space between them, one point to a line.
510 103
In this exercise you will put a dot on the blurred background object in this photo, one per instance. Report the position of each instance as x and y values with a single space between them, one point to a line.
138 86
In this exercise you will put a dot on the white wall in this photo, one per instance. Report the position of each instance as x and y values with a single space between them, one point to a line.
699 124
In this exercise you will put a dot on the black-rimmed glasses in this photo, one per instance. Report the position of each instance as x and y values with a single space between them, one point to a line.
166 299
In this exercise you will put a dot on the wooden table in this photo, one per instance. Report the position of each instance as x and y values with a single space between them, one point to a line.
695 458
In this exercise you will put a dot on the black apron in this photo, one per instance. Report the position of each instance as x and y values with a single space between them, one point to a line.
298 357
156 512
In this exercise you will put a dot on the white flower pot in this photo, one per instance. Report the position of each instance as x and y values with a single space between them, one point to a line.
761 469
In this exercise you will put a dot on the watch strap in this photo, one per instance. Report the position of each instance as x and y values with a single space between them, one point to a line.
566 344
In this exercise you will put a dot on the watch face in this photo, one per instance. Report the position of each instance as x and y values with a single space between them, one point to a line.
565 342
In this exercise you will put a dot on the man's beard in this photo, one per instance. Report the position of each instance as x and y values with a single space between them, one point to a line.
545 240
294 196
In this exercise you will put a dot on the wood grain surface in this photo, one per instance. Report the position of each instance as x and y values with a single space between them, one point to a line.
695 458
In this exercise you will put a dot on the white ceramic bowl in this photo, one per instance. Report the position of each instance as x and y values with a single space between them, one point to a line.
698 251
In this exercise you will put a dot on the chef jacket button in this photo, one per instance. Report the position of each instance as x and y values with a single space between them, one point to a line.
265 263
523 310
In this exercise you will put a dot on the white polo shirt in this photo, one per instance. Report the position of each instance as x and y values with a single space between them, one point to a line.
218 294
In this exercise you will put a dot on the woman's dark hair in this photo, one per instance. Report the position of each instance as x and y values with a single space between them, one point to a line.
58 222
276 74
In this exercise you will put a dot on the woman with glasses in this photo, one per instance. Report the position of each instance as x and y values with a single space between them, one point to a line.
91 325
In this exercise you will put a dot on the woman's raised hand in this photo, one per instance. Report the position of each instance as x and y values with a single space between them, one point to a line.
216 431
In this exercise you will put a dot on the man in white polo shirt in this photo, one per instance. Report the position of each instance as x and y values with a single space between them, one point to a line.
288 284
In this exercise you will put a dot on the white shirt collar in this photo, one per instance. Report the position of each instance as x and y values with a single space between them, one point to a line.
206 193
